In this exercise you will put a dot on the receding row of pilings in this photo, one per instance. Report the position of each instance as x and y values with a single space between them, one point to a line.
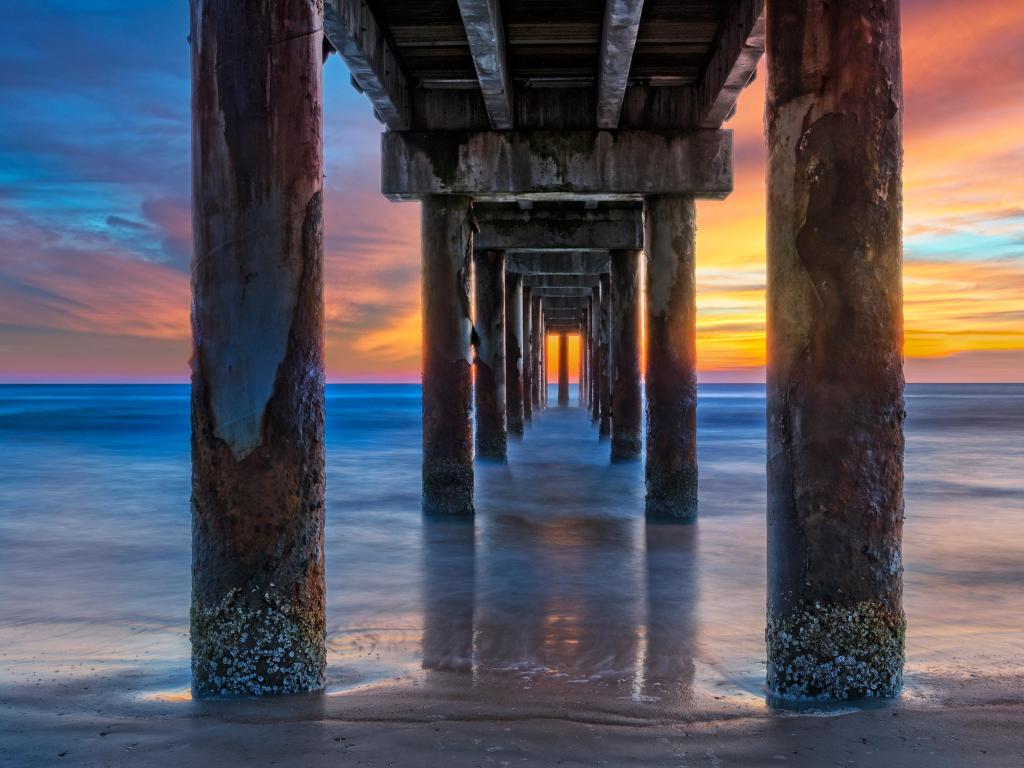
601 304
835 624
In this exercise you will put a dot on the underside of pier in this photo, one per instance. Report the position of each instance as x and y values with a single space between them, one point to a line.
557 151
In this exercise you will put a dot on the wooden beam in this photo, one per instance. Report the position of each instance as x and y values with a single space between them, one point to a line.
739 46
566 165
485 32
351 28
618 38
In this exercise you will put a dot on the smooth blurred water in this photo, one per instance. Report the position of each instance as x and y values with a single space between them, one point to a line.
558 585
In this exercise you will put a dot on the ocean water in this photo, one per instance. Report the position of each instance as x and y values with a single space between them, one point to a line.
558 588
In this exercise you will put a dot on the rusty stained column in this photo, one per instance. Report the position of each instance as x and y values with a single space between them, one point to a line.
543 357
581 395
536 345
835 404
595 357
514 352
489 299
627 396
447 244
671 469
605 377
563 368
527 356
257 618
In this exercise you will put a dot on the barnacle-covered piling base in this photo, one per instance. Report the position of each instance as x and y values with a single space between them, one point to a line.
836 653
256 644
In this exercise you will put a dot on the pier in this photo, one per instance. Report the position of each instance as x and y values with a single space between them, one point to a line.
556 153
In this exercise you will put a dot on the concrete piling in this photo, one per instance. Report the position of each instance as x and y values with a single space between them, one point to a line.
489 300
595 347
514 352
257 616
447 244
536 346
835 371
626 395
527 356
563 368
605 388
671 366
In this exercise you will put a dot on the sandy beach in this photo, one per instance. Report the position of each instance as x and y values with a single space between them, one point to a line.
90 722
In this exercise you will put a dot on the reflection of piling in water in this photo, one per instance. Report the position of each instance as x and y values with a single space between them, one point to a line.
545 606
672 593
448 589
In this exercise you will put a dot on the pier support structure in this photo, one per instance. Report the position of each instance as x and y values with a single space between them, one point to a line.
627 394
671 369
514 353
447 243
536 344
605 374
835 371
563 369
257 617
527 396
489 301
595 356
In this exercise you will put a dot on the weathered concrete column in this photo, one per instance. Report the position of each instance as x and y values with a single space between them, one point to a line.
835 370
563 368
489 279
581 394
514 352
257 618
447 243
605 379
671 468
595 348
627 397
536 345
543 357
527 356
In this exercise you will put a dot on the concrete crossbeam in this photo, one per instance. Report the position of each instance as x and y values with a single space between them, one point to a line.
559 263
541 280
540 229
573 164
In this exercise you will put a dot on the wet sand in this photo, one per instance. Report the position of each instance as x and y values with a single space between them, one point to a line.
89 723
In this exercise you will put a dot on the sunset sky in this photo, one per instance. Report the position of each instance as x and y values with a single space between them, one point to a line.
94 205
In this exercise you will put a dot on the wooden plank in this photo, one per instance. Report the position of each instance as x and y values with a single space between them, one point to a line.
733 64
485 32
618 38
354 32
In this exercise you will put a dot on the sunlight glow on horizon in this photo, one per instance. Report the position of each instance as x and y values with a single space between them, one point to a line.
95 223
